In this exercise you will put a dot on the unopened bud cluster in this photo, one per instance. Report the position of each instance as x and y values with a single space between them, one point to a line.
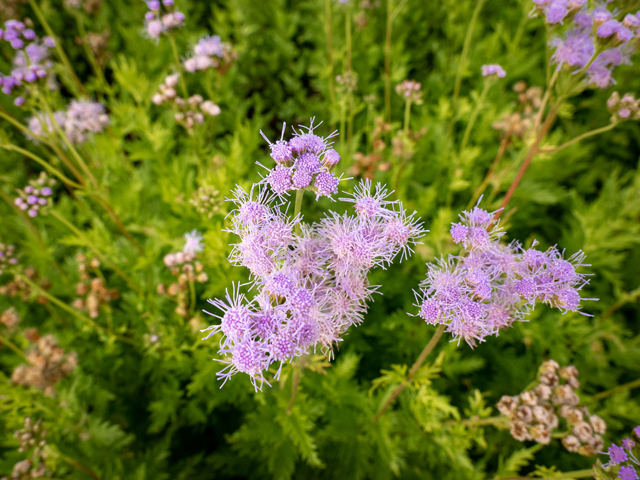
7 257
535 413
625 108
347 82
48 364
210 52
186 270
92 291
207 200
520 123
19 288
32 438
410 90
162 18
10 318
34 196
191 111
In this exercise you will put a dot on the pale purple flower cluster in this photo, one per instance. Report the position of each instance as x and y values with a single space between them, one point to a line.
304 162
625 108
556 11
209 52
492 285
410 90
588 34
162 18
309 288
625 457
493 70
7 257
31 61
81 119
32 199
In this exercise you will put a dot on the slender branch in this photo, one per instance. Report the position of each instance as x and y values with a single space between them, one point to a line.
414 369
298 208
63 57
294 389
532 152
176 58
16 350
545 99
504 143
588 134
327 10
52 170
79 466
564 476
465 53
90 55
626 298
112 213
474 116
613 391
387 62
479 422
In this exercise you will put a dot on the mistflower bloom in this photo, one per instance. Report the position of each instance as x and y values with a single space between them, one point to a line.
189 112
304 162
410 90
84 118
490 285
193 242
35 196
8 257
493 70
308 288
161 19
209 52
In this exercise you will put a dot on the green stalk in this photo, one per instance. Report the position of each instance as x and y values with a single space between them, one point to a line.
474 116
176 58
613 391
387 63
298 208
465 53
192 291
52 170
60 52
403 161
588 134
16 350
91 56
328 30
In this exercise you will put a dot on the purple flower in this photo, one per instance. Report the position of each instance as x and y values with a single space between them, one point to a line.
636 430
631 21
575 51
628 443
326 184
609 28
600 15
600 72
617 454
628 472
493 69
556 11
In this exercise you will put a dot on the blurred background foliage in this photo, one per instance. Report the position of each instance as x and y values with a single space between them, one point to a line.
149 406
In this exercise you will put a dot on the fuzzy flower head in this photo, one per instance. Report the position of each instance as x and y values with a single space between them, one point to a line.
84 118
36 195
193 242
625 108
209 52
493 71
303 162
161 18
410 90
8 257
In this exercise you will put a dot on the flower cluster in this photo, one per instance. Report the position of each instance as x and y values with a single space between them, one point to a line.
310 287
78 122
32 438
593 42
19 288
625 108
162 18
31 61
304 162
491 285
35 195
206 200
209 52
347 82
623 460
493 70
410 90
92 289
186 270
190 111
10 318
48 364
520 123
533 415
8 257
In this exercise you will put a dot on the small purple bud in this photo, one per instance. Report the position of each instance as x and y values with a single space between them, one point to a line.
31 77
42 201
19 101
17 44
13 261
11 35
624 113
149 16
29 34
32 199
28 189
18 25
23 206
6 90
41 72
46 191
49 42
18 201
179 16
32 213
153 5
167 3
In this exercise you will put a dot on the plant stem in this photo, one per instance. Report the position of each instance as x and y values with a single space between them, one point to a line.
474 116
407 118
16 350
613 391
63 57
479 422
328 30
294 389
298 208
112 213
626 298
414 369
563 476
97 252
545 99
465 53
52 170
79 466
90 55
387 63
192 291
176 58
588 134
347 27
480 190
532 152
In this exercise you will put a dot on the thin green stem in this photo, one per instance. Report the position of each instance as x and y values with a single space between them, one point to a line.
192 292
298 209
347 27
343 115
497 422
626 298
588 134
294 389
613 391
114 216
405 149
414 369
90 55
16 350
474 115
176 58
59 51
407 118
559 476
97 252
487 179
387 62
52 170
465 53
328 30
79 466
545 99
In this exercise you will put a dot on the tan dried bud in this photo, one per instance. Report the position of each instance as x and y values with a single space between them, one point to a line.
583 431
598 424
199 267
543 391
81 288
182 311
507 405
32 335
541 434
524 413
173 289
95 263
519 431
568 372
93 305
571 443
161 289
550 366
520 86
97 284
202 277
10 317
550 379
529 398
78 304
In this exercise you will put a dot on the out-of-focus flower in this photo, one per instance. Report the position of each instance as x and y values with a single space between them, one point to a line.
161 18
410 90
210 52
493 70
193 242
8 257
207 200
